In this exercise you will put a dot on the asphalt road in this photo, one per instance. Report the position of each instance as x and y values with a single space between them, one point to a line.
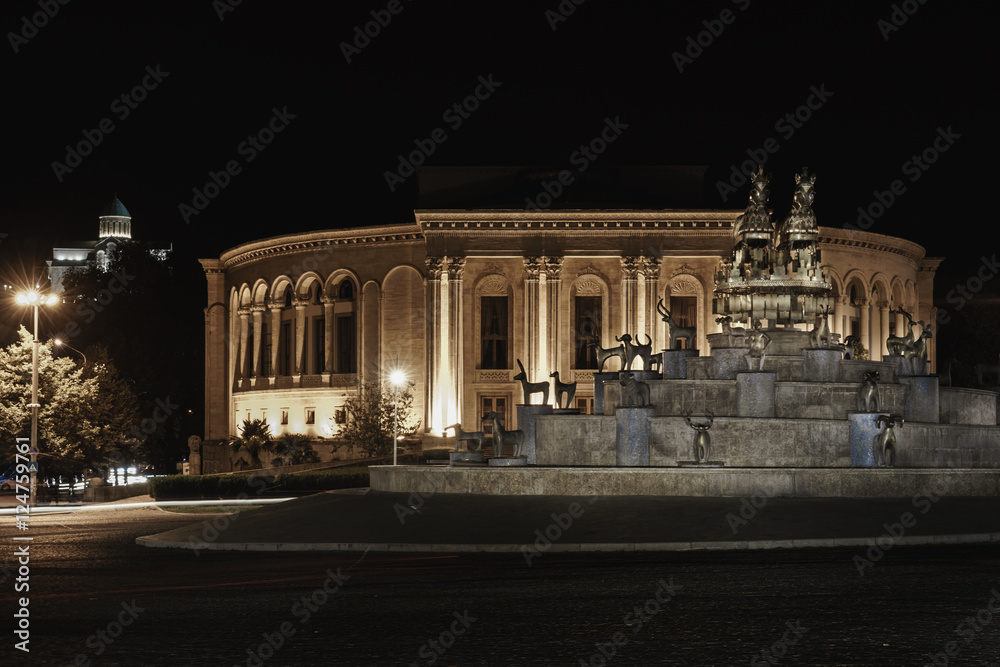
97 598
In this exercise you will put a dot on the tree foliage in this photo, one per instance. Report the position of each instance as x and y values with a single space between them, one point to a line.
371 417
87 412
253 444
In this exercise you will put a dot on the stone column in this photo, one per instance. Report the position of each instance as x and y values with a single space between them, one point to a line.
884 334
649 285
901 327
452 403
630 296
218 383
242 369
436 270
300 334
276 340
865 327
533 331
839 318
551 325
329 331
257 312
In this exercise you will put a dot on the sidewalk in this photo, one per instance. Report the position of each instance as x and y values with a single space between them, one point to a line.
357 520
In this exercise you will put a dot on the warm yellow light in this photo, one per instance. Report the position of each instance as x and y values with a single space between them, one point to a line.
33 298
397 377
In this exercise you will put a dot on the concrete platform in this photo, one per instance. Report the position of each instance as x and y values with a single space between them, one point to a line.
690 482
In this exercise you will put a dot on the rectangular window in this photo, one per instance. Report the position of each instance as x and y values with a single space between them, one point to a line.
319 344
585 405
496 404
493 335
284 416
310 415
346 352
684 310
586 329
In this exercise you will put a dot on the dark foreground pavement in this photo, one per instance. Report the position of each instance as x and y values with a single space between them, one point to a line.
360 520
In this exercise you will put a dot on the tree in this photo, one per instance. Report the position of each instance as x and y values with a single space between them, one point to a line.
371 417
86 412
294 448
254 441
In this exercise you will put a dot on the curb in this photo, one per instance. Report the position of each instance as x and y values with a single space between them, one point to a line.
634 547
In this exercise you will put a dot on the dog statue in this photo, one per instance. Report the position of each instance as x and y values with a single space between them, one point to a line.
635 393
471 437
633 350
605 353
563 389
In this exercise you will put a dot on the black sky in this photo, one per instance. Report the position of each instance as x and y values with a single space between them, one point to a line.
890 97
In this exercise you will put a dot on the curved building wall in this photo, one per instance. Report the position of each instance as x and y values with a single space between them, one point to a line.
459 298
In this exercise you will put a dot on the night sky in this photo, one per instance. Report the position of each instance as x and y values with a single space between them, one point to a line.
688 84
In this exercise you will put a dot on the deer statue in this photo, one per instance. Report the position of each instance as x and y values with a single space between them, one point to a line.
727 328
702 441
565 390
674 331
502 437
884 443
529 388
471 437
916 353
605 353
820 335
898 344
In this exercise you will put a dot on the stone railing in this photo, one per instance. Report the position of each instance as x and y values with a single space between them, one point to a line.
314 381
493 375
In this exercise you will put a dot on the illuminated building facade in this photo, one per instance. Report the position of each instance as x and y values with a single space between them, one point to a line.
457 297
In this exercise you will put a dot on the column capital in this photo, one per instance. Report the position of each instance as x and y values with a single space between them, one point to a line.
434 267
456 266
243 312
630 267
300 303
328 301
649 267
533 266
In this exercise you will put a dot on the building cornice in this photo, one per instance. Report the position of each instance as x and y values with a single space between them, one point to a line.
607 221
277 246
852 238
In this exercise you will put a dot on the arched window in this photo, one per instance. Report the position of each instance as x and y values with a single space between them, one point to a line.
587 320
345 290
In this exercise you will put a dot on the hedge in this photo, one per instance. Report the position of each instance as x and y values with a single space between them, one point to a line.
174 487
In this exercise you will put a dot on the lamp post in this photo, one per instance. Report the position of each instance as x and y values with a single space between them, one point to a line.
61 343
34 299
396 378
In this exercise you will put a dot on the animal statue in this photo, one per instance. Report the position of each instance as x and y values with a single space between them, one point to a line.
869 397
635 393
820 336
633 350
675 332
656 360
529 388
728 329
605 353
502 437
983 369
702 441
884 443
916 353
757 342
898 344
848 346
471 437
563 389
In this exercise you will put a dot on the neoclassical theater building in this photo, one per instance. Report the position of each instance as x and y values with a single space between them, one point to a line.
455 298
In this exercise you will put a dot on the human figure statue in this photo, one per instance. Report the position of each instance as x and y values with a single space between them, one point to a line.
757 342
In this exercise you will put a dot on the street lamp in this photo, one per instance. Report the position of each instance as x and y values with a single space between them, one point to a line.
61 343
34 299
396 378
